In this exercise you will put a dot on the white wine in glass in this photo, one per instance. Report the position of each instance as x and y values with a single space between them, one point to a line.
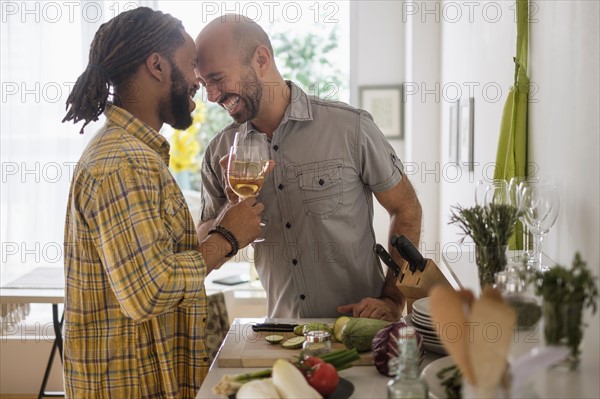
248 162
246 178
247 165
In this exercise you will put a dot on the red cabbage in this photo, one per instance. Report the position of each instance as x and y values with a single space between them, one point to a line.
385 346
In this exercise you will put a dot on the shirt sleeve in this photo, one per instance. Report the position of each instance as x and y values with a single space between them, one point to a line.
213 194
380 167
136 247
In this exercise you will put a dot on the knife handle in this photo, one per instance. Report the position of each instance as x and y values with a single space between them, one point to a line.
278 327
407 250
387 259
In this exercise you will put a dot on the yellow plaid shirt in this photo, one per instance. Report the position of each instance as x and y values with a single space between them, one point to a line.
135 306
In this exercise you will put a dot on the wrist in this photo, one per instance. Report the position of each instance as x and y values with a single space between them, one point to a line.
229 237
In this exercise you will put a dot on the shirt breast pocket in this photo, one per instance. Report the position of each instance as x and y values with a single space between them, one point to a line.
175 217
322 187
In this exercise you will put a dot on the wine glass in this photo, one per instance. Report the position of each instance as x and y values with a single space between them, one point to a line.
540 204
247 165
493 192
515 188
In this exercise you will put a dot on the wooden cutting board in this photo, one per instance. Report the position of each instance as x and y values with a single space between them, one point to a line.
243 347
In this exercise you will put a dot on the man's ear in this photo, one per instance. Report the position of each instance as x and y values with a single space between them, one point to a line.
262 58
156 65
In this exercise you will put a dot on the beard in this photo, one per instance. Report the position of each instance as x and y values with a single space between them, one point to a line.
177 107
251 96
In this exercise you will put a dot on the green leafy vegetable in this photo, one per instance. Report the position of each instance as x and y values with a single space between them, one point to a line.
566 293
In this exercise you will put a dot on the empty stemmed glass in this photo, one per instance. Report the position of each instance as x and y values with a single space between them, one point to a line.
247 165
493 192
515 187
540 205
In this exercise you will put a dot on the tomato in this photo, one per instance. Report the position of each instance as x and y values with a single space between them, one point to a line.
312 361
324 378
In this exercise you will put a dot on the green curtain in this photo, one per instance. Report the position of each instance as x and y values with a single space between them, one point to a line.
511 158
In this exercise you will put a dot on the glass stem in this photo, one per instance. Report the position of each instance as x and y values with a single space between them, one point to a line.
539 238
534 256
526 243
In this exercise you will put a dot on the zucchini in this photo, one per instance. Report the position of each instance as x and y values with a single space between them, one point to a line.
302 329
338 327
293 343
298 329
359 332
274 338
316 326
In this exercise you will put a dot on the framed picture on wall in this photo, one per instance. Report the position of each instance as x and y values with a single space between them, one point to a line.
453 133
466 119
385 104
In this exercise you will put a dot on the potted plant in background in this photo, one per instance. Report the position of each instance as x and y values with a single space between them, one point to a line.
566 293
489 227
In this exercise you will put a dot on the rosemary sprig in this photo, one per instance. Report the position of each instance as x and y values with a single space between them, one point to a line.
490 225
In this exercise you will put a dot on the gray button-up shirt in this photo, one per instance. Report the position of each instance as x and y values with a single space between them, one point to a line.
318 249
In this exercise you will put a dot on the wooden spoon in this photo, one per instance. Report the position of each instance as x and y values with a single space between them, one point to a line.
492 321
448 314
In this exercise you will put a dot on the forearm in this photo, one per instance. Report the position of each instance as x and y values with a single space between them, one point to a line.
406 221
214 249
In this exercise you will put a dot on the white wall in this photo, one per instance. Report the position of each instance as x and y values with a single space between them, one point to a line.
477 42
564 121
564 111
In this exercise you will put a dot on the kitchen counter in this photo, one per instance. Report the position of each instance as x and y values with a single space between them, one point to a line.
368 383
462 273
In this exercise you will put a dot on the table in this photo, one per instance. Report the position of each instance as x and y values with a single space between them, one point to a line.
29 289
22 284
462 273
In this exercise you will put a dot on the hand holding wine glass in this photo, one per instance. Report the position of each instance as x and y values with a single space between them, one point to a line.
247 166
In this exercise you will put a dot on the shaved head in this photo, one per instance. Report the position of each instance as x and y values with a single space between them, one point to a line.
236 33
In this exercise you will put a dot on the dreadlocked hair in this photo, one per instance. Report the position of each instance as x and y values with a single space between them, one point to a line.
119 47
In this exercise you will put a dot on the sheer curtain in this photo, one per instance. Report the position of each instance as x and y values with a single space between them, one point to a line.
44 48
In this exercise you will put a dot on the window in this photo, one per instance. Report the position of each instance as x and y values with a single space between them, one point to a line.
44 48
311 45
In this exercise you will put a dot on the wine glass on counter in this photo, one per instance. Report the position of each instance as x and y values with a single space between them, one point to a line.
492 192
540 204
247 165
515 187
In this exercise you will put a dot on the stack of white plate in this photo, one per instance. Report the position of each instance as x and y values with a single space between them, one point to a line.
420 318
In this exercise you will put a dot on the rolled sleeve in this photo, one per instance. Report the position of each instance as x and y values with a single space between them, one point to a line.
380 167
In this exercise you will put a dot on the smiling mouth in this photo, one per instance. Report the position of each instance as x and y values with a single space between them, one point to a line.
231 103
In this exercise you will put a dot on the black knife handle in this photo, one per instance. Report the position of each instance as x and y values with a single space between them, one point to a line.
408 251
278 327
387 259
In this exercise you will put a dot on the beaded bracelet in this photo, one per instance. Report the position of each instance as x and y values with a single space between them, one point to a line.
228 235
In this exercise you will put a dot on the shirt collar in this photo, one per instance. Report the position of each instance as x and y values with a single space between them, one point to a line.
143 132
299 108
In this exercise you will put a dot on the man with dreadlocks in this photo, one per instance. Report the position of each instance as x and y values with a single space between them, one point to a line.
135 307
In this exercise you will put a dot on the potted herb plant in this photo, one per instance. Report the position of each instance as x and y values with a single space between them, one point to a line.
566 293
490 227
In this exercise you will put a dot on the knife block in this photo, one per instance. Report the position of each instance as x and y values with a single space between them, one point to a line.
417 285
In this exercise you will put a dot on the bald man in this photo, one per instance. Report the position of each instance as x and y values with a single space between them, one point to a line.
317 259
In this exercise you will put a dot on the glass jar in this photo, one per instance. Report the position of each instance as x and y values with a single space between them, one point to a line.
407 381
512 283
490 260
316 343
